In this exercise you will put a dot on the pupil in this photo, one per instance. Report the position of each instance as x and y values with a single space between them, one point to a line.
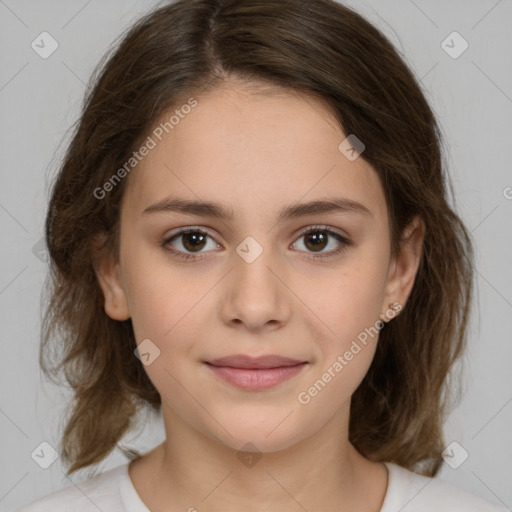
318 239
193 240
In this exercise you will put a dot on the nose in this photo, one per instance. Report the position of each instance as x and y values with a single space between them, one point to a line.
256 295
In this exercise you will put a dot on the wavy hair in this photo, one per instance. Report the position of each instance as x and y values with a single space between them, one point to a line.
331 53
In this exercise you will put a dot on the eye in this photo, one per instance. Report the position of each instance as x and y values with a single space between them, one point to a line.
317 238
193 240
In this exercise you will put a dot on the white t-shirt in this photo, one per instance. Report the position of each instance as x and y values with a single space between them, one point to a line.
113 491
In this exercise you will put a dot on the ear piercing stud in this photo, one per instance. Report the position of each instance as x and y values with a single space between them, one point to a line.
393 306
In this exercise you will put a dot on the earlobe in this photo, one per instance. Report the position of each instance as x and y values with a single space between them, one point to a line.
405 266
108 273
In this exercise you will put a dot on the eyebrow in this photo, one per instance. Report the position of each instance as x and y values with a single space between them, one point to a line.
293 211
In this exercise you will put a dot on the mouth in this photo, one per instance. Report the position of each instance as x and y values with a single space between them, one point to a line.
255 373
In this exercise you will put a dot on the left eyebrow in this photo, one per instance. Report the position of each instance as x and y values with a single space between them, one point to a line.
328 205
211 209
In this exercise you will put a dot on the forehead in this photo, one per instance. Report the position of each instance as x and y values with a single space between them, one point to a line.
251 150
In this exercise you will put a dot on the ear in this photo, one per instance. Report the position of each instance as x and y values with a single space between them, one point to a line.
107 271
403 268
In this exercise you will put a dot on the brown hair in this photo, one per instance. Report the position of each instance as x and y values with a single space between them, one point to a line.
331 53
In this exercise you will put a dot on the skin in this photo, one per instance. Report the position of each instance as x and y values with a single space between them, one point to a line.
255 153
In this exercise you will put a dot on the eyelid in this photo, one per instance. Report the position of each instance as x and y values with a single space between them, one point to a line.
193 229
208 231
324 227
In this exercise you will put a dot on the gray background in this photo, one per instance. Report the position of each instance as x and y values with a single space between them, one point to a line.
39 101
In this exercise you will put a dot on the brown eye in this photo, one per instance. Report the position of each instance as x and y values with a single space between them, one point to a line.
193 240
317 239
188 243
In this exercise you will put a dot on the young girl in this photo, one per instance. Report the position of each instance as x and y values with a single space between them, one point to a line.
251 233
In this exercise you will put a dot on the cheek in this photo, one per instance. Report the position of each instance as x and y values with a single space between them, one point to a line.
168 308
161 296
168 319
349 304
335 382
345 356
349 300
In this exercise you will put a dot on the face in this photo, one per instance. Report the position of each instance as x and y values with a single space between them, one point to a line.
257 276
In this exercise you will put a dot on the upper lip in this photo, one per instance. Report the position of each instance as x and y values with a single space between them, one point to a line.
244 361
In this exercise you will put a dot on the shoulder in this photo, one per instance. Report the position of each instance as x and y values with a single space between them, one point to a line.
101 492
408 492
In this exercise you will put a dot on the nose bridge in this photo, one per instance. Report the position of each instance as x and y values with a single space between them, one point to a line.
256 293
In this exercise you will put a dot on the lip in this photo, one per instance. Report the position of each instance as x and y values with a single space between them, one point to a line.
255 373
249 362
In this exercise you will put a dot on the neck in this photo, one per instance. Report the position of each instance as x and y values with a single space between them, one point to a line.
193 472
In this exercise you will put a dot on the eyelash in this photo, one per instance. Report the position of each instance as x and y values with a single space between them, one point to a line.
345 243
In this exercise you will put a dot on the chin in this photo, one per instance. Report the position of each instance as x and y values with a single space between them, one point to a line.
252 441
265 433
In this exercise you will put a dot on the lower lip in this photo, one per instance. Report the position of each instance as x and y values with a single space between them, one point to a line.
254 380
